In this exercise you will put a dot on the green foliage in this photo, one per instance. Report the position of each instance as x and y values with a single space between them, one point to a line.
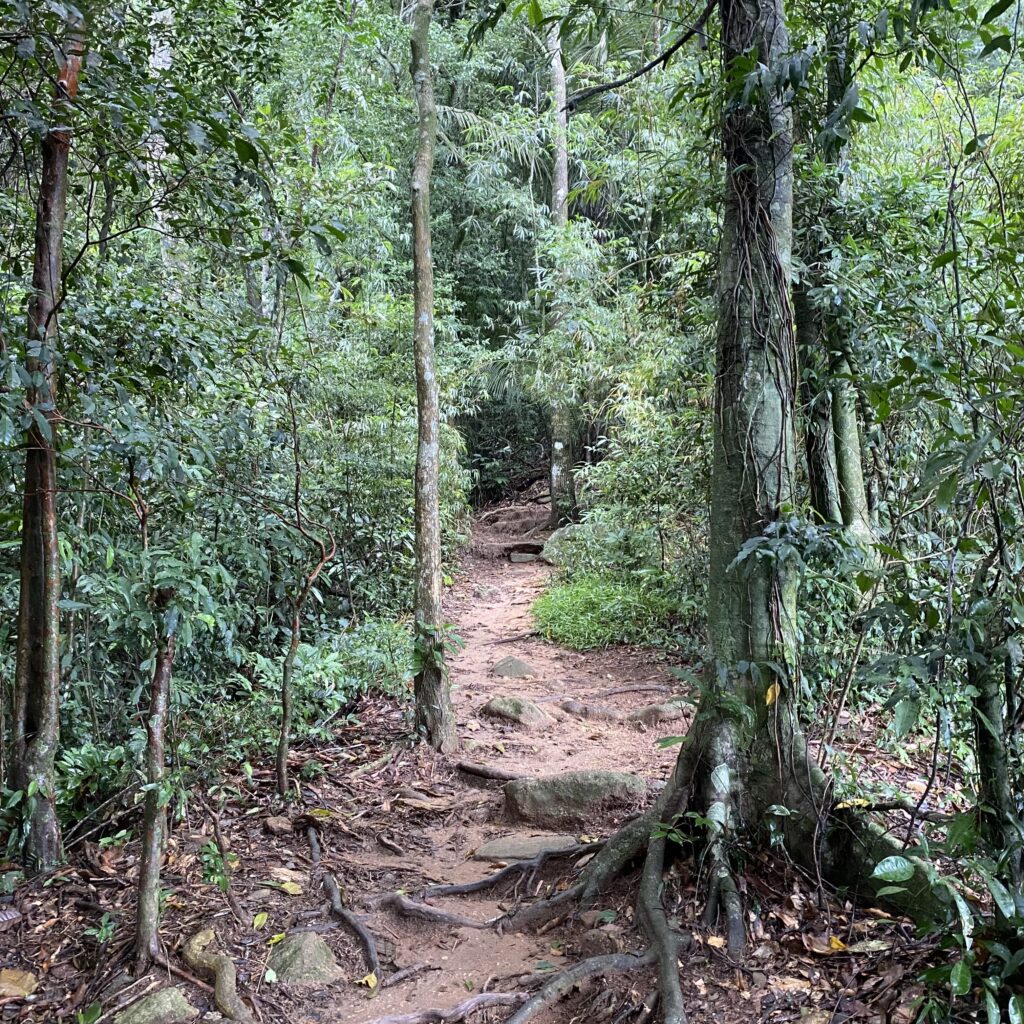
589 611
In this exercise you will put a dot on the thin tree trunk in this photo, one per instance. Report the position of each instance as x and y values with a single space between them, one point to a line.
852 492
332 89
435 717
287 675
562 482
154 827
37 673
816 404
835 469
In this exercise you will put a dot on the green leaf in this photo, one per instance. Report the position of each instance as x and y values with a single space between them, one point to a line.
996 9
1016 1009
1001 895
943 259
997 43
992 1008
891 890
247 152
893 869
960 979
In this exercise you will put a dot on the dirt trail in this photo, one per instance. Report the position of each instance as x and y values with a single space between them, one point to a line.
490 608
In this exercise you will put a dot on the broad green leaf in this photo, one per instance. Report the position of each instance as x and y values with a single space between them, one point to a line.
893 869
960 979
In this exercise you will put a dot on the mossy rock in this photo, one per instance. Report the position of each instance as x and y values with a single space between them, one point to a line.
573 797
304 960
518 710
167 1006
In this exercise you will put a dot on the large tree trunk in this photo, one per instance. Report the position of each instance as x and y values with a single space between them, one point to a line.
154 828
435 717
37 673
563 487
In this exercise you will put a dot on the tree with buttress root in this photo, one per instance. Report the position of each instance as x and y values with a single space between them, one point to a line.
743 772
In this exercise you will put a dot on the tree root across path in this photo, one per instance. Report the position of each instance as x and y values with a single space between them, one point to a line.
354 925
222 969
725 781
484 1001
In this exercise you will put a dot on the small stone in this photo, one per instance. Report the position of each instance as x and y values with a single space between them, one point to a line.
167 1006
511 667
518 847
591 918
598 942
758 979
522 556
278 825
303 959
518 710
572 797
17 984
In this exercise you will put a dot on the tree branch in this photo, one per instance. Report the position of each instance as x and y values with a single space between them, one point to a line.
663 58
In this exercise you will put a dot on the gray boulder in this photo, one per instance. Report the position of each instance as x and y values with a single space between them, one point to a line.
572 797
511 667
303 959
166 1006
518 710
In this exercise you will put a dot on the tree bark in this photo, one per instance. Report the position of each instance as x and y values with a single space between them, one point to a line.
36 725
154 828
834 457
752 606
816 406
562 482
435 717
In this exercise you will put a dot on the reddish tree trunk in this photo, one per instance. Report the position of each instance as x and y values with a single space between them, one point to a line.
37 674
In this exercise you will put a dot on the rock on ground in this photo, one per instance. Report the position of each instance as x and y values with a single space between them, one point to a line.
571 798
652 714
511 667
304 959
518 710
167 1006
518 847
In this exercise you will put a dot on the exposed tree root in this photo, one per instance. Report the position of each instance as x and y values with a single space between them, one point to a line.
458 1013
664 941
513 871
563 982
425 912
363 935
406 973
486 771
222 969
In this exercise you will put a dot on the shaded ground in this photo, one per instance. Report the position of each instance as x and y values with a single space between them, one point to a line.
395 818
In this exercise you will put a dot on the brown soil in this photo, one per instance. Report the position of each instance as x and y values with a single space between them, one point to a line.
392 817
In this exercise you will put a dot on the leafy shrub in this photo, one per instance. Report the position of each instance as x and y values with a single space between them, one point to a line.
590 611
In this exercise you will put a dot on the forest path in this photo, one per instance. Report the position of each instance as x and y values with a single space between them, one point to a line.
489 606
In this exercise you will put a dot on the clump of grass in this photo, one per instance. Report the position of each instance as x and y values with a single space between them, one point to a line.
588 611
